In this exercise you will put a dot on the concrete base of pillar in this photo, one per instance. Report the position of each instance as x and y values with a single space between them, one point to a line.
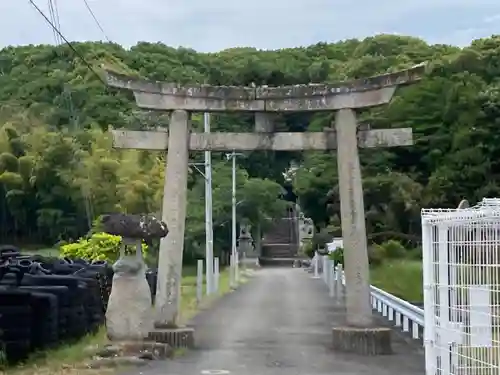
127 353
141 349
363 341
180 337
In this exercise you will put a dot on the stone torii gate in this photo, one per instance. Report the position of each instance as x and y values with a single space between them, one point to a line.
343 98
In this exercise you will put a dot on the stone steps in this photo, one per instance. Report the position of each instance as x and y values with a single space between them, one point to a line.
277 253
278 247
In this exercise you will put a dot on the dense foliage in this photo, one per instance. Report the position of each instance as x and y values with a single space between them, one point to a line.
58 170
99 247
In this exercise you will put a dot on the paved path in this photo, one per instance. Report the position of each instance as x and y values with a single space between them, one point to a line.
279 323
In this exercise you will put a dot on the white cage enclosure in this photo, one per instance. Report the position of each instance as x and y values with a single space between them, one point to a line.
461 266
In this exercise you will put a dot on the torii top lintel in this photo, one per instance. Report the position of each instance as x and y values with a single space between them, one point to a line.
357 93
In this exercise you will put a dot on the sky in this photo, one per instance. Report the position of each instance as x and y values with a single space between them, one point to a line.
210 26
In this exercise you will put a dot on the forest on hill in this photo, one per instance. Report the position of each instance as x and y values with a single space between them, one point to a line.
58 170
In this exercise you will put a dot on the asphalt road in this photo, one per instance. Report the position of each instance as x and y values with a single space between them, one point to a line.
279 323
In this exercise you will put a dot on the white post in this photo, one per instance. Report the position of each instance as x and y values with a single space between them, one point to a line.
327 270
324 270
331 278
429 297
231 271
233 224
199 281
237 268
209 244
339 282
315 264
335 279
445 333
216 275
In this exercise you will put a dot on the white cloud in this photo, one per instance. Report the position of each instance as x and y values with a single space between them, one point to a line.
220 24
493 18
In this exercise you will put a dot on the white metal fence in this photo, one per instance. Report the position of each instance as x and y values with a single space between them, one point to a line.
402 314
461 264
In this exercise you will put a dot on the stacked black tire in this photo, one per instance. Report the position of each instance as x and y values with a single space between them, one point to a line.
46 302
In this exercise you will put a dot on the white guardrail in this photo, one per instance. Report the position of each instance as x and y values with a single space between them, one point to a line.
404 314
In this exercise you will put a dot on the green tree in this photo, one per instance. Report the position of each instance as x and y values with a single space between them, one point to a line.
58 170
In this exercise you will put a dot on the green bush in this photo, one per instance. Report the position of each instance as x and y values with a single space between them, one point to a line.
320 239
309 249
337 256
100 246
393 249
376 255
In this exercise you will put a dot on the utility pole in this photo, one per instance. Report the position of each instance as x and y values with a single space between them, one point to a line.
233 223
209 231
234 257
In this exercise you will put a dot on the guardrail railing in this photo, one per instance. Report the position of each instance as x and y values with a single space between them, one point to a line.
404 314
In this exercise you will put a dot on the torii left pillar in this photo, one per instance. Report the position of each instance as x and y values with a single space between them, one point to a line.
168 291
167 304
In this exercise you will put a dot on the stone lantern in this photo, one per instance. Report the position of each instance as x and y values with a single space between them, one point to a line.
129 313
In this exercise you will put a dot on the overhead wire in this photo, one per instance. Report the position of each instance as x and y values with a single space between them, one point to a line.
66 41
57 19
54 23
87 5
50 5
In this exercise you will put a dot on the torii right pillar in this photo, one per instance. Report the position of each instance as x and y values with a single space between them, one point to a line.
352 214
360 334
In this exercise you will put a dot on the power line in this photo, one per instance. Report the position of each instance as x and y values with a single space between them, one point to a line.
50 4
70 45
54 25
96 20
56 17
51 14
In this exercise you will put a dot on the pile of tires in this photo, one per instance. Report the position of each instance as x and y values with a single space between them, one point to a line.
46 302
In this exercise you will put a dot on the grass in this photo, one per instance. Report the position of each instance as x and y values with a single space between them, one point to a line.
68 359
400 277
189 305
62 360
